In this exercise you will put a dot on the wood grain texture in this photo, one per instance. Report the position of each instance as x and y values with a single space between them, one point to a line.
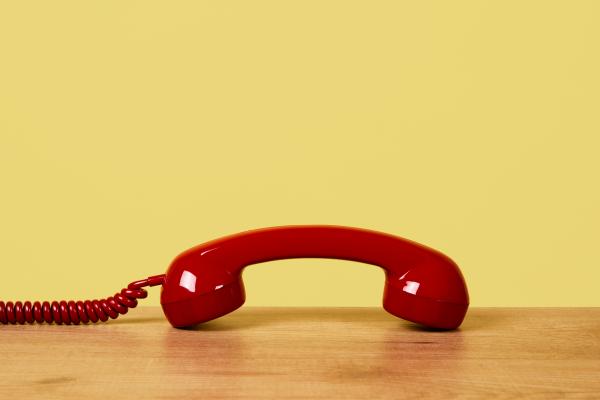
308 353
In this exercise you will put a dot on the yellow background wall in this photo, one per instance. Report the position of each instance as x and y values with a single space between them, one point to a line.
130 131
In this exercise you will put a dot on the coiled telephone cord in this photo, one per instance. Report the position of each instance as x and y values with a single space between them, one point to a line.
76 312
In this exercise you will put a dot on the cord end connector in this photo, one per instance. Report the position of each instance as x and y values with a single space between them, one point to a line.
154 280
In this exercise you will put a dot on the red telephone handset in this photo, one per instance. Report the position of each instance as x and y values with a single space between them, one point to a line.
205 282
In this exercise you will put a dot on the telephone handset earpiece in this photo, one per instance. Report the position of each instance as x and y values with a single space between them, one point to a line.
205 282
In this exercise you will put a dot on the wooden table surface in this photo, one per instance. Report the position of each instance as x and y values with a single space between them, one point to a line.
540 353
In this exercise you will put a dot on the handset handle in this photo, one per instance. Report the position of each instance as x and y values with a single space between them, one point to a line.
319 241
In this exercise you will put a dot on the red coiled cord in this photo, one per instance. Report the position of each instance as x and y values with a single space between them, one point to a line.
75 312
